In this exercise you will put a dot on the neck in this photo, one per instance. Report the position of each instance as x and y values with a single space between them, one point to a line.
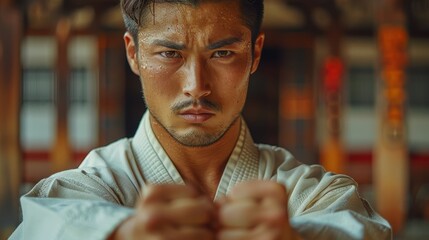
201 167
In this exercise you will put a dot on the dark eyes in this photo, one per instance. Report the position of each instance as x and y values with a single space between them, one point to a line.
175 54
222 54
171 54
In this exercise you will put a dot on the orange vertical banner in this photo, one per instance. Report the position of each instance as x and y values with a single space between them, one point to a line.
391 167
331 154
332 149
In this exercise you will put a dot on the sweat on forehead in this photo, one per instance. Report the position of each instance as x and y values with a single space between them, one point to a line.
188 26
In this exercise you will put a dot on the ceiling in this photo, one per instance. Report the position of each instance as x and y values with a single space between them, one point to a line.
357 17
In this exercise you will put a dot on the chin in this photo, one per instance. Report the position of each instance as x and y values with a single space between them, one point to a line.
197 138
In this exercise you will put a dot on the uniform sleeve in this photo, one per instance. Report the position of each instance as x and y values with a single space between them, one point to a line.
84 203
324 205
76 204
338 212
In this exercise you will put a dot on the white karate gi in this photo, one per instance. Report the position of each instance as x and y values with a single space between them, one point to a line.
89 202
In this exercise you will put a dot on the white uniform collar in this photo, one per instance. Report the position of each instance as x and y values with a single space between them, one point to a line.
157 167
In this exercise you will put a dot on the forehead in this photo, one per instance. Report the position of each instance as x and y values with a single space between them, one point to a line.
180 17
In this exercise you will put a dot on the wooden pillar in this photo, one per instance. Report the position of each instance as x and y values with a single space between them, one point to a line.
111 88
297 125
61 153
10 86
391 167
332 153
5 4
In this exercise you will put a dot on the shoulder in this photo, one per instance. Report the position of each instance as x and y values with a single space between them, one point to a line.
278 161
273 159
271 153
109 155
105 173
300 179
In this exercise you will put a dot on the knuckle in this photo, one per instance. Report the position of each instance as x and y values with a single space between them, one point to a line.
276 217
151 192
150 218
275 187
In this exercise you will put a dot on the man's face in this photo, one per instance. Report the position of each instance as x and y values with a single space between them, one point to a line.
194 64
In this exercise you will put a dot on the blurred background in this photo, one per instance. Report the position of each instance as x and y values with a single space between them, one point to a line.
343 83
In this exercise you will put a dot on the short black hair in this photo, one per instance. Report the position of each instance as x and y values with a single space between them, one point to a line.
133 11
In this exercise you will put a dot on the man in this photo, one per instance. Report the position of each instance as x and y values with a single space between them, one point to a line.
192 170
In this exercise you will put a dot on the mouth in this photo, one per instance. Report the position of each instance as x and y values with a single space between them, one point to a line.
196 115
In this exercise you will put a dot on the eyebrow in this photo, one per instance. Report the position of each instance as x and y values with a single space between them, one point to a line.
223 43
169 44
211 46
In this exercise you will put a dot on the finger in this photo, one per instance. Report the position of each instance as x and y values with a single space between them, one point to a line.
259 190
167 192
187 211
177 213
232 234
273 213
264 232
249 214
239 214
258 233
189 233
171 233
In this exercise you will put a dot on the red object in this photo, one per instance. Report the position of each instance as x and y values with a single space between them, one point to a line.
333 71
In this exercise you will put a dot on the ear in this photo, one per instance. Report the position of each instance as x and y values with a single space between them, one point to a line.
131 51
257 52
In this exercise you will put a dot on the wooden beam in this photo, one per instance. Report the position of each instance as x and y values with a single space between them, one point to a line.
10 86
61 152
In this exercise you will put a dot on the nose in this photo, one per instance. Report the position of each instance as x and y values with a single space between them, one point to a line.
196 84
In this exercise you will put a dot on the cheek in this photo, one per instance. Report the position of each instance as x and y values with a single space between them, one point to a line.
239 73
157 80
233 83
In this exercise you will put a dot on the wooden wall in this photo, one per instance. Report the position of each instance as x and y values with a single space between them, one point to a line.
10 160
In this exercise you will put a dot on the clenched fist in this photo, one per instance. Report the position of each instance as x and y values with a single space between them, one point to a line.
255 210
169 212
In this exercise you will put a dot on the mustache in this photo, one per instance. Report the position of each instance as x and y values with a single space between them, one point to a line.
177 107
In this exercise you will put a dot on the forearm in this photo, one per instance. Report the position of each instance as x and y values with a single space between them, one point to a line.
71 205
46 218
340 225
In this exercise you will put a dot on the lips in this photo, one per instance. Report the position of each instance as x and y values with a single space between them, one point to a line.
196 115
